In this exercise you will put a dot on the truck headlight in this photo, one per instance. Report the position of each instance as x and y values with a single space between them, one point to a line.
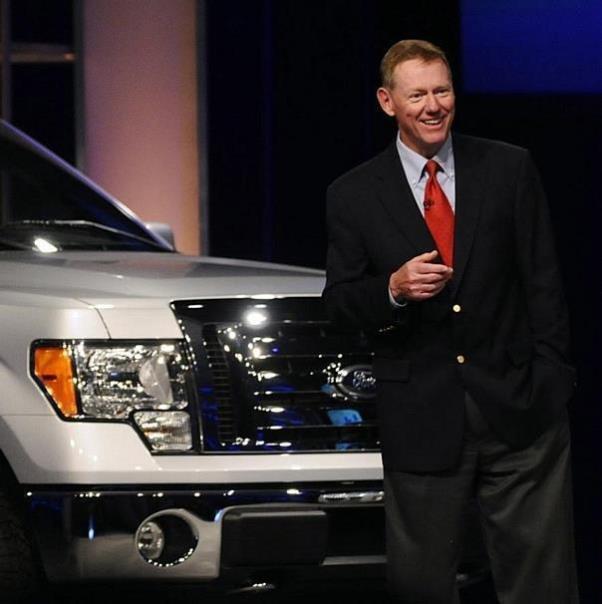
144 383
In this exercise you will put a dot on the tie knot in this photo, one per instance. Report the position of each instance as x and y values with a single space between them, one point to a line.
432 167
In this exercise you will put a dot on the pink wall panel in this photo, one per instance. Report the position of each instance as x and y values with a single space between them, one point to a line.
140 109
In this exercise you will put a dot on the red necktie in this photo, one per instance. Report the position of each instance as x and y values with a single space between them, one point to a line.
438 214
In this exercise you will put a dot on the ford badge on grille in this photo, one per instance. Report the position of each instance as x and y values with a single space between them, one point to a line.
356 381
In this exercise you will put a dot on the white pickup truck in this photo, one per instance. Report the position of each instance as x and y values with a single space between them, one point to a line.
166 417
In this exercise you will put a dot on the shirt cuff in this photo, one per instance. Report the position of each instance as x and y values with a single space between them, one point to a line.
394 302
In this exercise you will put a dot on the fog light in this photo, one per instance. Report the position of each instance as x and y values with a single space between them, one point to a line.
167 538
150 540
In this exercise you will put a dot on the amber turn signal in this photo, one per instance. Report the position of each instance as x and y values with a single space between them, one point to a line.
54 369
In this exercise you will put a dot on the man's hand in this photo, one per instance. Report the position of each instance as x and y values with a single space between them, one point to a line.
419 279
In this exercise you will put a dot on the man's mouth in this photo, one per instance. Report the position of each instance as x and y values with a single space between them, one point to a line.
433 122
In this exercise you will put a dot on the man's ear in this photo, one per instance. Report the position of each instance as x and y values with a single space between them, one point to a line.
385 100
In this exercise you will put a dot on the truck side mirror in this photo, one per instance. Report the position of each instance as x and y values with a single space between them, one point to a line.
163 230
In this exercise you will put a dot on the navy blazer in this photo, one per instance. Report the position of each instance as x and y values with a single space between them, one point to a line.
499 329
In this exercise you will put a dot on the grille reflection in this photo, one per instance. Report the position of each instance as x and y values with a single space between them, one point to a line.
287 382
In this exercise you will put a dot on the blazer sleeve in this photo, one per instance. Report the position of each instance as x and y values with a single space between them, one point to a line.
538 268
354 296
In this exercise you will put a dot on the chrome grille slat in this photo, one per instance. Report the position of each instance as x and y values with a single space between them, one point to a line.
315 354
218 364
316 427
278 384
298 393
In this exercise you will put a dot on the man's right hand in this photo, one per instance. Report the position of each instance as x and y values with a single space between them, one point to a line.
419 278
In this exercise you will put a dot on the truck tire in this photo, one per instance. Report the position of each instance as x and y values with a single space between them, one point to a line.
20 576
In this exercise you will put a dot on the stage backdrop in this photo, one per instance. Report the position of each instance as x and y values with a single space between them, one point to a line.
292 105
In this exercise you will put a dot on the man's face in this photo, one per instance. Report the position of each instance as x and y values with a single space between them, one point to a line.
423 103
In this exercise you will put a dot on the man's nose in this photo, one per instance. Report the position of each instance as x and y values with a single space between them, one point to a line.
432 104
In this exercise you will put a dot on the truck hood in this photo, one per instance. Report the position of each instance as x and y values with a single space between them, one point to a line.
95 277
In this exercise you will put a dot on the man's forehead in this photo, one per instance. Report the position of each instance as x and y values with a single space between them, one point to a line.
409 67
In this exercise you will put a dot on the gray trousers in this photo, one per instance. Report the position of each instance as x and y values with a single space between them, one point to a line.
525 504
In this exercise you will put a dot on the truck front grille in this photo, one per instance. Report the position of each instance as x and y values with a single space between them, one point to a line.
274 375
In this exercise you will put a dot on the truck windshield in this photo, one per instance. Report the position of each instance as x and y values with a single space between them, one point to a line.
64 235
40 193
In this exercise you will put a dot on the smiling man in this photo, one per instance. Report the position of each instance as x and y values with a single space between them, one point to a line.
420 95
441 247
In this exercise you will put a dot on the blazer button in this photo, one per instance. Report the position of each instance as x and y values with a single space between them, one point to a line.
461 359
456 308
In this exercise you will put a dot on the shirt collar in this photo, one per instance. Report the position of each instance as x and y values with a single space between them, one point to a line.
413 163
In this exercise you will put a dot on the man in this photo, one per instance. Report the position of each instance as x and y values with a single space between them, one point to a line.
441 246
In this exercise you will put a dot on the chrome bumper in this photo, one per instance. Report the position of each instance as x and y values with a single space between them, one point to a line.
215 533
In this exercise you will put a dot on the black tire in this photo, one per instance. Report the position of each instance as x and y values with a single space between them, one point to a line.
20 575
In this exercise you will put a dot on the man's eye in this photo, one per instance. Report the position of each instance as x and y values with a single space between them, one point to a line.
416 96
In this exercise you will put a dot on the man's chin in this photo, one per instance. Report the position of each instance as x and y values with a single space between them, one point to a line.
437 137
431 146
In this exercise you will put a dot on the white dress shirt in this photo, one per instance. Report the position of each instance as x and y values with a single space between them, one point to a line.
413 165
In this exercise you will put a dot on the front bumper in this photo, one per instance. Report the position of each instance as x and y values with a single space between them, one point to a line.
91 534
219 534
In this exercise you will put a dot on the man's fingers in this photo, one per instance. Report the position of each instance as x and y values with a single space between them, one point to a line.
420 278
427 256
427 267
438 287
421 296
432 278
423 291
418 289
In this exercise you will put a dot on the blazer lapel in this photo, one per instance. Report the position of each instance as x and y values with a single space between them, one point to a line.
398 199
469 192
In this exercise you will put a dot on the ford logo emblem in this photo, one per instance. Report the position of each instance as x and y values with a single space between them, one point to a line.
356 381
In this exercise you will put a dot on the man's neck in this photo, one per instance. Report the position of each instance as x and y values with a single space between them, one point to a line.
427 153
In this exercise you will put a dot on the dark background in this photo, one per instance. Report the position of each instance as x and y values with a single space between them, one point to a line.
291 105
